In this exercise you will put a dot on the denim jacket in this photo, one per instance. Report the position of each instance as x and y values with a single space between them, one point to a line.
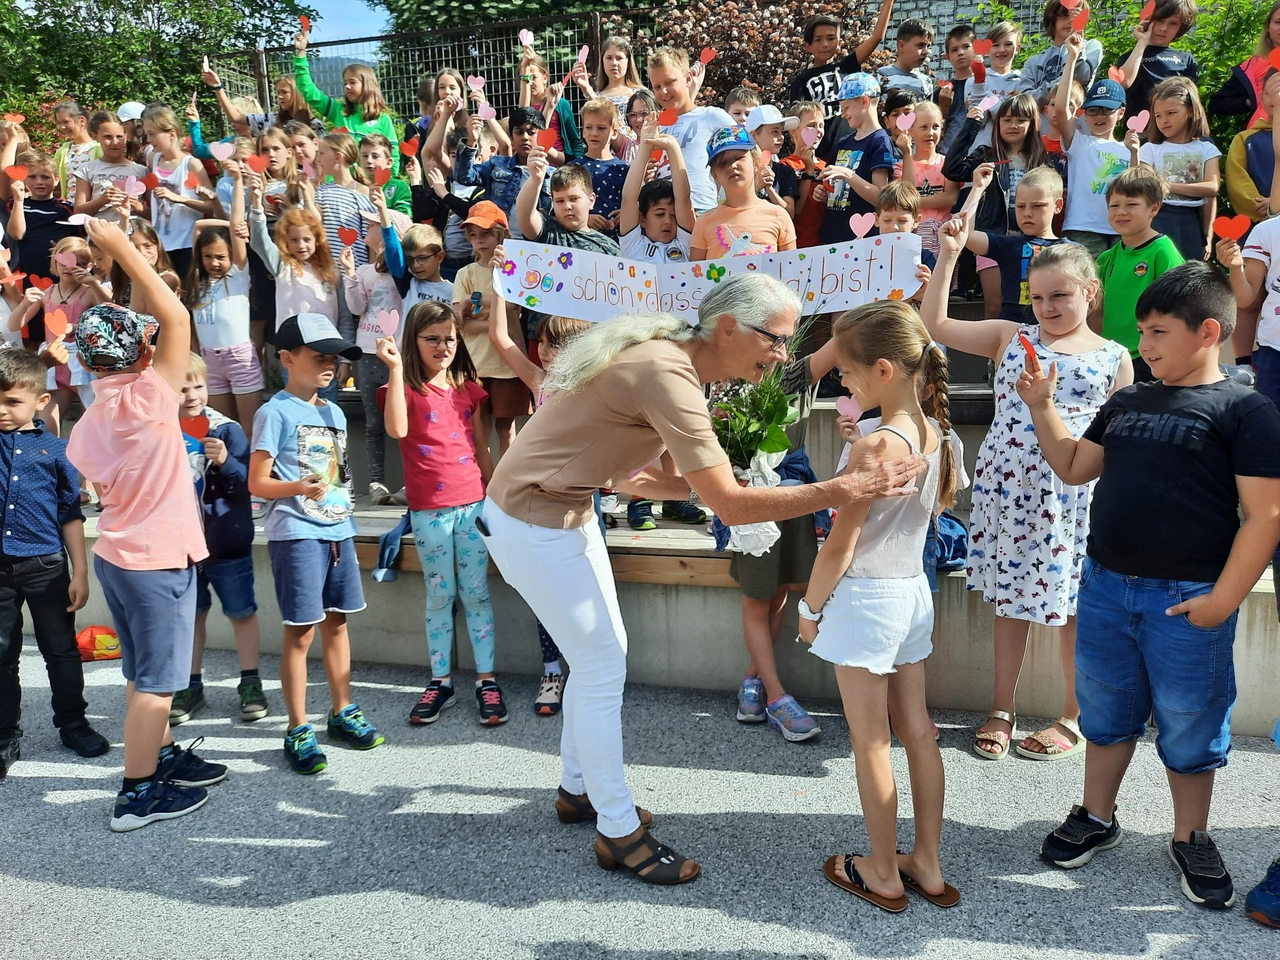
501 177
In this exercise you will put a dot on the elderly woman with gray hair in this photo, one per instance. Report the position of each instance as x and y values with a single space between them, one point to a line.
619 395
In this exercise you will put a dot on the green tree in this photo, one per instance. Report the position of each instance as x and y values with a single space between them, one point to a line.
409 16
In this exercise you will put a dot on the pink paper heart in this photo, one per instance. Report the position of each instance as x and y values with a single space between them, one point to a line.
132 186
75 220
475 83
986 103
861 223
582 54
486 112
222 151
387 322
308 170
1138 122
809 135
904 121
848 407
65 259
526 38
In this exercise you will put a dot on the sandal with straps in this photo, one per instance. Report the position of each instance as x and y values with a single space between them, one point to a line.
575 809
1001 740
1055 746
666 864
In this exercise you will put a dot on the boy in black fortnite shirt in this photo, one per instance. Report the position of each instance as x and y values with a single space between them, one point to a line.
1169 562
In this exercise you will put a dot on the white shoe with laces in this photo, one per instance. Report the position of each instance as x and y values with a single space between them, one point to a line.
550 695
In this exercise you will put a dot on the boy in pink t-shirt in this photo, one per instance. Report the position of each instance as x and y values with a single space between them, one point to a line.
149 536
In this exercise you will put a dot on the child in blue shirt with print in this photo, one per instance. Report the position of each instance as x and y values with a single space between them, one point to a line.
864 161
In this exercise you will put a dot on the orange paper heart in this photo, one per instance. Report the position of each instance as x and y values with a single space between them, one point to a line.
1081 21
1232 228
1148 11
14 117
1116 74
16 172
192 180
380 177
546 139
42 283
151 181
668 117
305 22
982 47
55 323
257 163
1273 58
409 148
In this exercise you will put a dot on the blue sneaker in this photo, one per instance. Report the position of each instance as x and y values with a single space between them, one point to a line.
302 751
184 768
640 515
682 511
157 800
751 700
350 724
1263 902
791 720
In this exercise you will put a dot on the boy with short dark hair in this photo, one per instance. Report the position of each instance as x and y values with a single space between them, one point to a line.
42 527
821 82
739 102
1138 259
915 38
952 96
500 176
1168 566
1152 59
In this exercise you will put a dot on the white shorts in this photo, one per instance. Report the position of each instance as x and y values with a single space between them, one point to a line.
876 623
71 374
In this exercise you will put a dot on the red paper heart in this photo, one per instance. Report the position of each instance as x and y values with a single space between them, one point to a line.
16 172
1232 228
546 139
409 148
256 163
979 71
41 283
305 22
348 236
1273 58
55 323
658 157
381 176
1081 21
668 117
14 117
1071 4
151 181
706 56
14 277
195 427
982 46
1148 11
192 180
1026 345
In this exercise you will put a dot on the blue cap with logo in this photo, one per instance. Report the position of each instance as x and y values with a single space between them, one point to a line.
1107 94
859 85
729 138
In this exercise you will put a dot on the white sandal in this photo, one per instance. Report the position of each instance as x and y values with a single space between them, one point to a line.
1055 747
1001 740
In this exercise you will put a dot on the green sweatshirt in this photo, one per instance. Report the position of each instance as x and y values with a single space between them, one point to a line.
331 110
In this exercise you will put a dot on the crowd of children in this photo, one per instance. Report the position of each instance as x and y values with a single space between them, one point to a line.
1069 195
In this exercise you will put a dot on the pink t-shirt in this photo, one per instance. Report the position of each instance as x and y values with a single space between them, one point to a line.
439 451
930 182
129 443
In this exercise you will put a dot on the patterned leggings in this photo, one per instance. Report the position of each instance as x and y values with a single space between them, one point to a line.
550 652
455 563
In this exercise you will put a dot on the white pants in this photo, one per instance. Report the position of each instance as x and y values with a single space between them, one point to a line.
565 577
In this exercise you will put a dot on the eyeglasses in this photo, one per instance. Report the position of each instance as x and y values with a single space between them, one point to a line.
1097 111
435 343
775 342
638 115
424 259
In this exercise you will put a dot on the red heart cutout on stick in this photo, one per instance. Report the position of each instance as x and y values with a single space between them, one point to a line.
55 323
41 283
546 138
979 71
195 427
151 181
706 56
1232 228
192 180
1026 345
1273 58
1081 21
16 172
1148 11
14 117
305 22
668 117
982 47
409 148
348 236
381 176
257 164
14 277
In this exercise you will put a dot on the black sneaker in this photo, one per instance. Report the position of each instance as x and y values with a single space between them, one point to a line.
185 769
253 702
493 710
159 801
10 753
1204 876
185 704
84 740
1075 842
682 511
435 698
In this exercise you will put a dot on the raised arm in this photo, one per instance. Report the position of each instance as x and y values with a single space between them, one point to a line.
984 338
527 213
1062 118
239 250
867 47
1133 63
316 98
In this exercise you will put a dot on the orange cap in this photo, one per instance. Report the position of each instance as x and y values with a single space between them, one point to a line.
486 214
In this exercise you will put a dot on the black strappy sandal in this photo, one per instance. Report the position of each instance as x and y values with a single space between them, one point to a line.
574 809
666 863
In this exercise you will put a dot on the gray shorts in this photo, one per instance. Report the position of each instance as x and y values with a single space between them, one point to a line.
154 612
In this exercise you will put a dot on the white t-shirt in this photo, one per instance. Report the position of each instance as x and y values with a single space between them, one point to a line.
222 316
1263 243
421 290
634 245
1180 163
693 130
1093 163
8 338
100 175
175 223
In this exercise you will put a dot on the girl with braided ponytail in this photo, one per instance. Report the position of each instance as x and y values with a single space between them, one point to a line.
868 610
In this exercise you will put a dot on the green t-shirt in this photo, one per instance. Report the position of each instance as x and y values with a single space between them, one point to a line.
399 196
1125 273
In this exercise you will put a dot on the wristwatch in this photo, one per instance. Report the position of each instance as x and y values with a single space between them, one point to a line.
806 613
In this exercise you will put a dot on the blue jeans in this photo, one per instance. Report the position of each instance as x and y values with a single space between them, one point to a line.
1133 660
232 580
455 562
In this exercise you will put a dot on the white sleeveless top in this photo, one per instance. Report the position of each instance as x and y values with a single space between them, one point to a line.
175 223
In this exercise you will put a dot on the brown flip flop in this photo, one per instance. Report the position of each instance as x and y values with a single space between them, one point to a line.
949 896
855 885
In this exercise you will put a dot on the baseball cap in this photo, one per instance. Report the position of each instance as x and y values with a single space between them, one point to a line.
859 85
317 332
111 338
1105 93
132 110
766 114
485 214
399 221
729 138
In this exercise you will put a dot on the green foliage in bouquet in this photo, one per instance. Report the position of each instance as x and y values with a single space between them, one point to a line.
749 418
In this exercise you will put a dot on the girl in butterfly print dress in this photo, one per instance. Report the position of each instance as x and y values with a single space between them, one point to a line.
1027 529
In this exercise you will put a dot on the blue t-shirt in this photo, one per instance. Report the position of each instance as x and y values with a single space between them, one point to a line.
607 177
1013 254
305 439
865 156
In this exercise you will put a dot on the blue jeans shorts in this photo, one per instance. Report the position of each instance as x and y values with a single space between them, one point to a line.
1133 660
314 578
154 613
232 580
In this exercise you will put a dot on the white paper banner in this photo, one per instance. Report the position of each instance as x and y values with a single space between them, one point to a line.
594 287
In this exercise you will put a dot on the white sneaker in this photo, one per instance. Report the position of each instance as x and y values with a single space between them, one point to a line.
379 495
609 503
399 498
550 695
